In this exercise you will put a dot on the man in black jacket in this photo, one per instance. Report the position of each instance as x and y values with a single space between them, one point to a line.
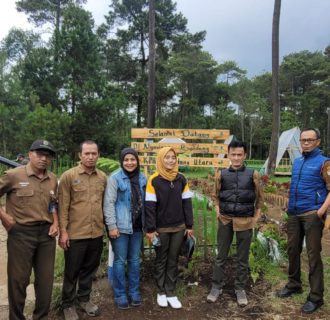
238 202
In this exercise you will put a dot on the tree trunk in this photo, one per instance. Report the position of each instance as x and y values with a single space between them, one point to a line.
57 31
275 90
139 111
242 114
151 78
142 75
250 141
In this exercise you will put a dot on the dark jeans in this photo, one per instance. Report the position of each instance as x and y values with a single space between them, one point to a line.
310 227
166 264
81 262
243 242
30 247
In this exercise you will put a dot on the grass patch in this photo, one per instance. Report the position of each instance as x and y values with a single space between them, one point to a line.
277 277
56 297
196 173
326 271
280 179
59 265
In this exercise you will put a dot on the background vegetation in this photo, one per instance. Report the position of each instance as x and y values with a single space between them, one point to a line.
85 82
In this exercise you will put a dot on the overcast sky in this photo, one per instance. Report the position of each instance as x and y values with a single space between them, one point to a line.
237 30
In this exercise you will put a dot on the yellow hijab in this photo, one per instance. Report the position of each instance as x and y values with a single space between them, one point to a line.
169 175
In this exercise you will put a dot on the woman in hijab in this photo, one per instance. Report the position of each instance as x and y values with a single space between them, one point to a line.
169 217
124 214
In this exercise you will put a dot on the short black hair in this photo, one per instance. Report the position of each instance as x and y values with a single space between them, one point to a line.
237 144
317 132
87 142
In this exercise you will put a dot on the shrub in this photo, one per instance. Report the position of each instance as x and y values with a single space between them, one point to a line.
107 165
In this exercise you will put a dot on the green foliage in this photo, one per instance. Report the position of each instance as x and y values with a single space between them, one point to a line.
195 172
49 124
19 43
61 164
107 165
272 231
56 297
205 222
270 189
92 84
285 216
102 271
41 12
59 265
3 168
258 259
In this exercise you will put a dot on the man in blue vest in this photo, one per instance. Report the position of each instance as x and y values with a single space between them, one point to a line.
308 203
238 205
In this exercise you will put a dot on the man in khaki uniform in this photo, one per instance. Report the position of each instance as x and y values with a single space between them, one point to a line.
31 220
81 229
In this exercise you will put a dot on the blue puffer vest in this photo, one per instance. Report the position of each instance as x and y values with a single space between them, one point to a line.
308 190
123 202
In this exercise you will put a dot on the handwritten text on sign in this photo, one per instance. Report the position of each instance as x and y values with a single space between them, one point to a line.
190 162
137 133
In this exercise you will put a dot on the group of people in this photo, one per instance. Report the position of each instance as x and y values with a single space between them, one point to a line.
129 206
238 204
38 209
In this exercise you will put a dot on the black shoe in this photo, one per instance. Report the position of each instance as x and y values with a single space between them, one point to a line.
123 306
136 303
310 306
286 292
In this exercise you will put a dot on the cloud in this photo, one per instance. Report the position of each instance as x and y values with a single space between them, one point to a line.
241 30
237 30
9 18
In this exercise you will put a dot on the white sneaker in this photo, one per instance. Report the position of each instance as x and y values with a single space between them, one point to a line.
161 300
213 295
70 313
174 302
241 298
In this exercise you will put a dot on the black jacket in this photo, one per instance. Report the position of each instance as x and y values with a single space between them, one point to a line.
168 204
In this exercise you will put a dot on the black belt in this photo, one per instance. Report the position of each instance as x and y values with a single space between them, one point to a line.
37 223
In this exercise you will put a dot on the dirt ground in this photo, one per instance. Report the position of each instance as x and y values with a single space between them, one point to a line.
194 302
262 301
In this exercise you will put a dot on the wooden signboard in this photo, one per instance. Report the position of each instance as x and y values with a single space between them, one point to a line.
190 162
201 134
181 147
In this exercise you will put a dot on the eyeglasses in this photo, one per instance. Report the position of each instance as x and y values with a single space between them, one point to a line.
307 140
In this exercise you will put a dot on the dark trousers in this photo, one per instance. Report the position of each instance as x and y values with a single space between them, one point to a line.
30 247
166 264
81 262
243 242
310 227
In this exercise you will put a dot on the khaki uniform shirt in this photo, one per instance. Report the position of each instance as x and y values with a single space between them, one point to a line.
80 203
241 223
28 197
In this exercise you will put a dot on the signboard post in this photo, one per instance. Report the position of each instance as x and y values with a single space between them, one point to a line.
201 147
